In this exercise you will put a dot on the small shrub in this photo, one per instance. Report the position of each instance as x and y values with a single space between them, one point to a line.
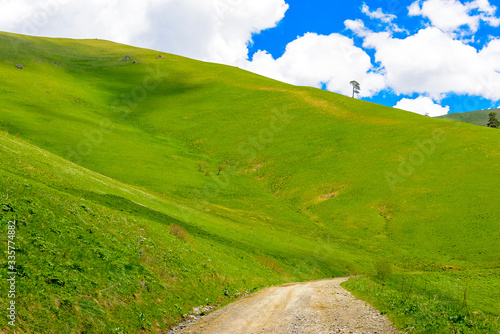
384 269
220 168
179 232
201 166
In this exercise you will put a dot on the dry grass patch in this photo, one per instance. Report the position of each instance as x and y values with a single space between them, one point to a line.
179 232
271 264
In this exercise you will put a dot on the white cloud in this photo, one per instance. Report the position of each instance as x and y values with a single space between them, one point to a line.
314 60
121 22
357 27
11 12
378 14
423 106
214 30
487 12
432 63
452 15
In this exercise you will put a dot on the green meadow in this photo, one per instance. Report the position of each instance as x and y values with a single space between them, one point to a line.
142 188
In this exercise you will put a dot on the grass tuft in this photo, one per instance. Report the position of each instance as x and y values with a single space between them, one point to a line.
179 232
383 269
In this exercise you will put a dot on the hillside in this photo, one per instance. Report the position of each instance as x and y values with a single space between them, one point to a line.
479 117
197 182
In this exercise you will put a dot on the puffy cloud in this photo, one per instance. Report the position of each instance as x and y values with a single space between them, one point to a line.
451 15
12 12
76 19
423 106
214 30
432 63
314 60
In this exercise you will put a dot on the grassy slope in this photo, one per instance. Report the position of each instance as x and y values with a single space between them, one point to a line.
78 251
479 117
307 195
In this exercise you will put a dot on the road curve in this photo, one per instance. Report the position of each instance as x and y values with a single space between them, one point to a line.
311 307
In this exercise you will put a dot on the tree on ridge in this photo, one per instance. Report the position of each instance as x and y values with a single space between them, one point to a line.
493 122
355 87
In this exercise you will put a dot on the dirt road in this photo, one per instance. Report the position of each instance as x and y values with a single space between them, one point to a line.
311 307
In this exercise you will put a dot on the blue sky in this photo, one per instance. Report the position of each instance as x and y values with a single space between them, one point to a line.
425 56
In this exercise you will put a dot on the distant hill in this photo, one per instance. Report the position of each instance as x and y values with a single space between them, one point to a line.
479 117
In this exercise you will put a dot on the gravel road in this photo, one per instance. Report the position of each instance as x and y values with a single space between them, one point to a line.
311 307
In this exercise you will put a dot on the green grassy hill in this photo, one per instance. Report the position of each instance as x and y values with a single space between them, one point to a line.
145 187
479 117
